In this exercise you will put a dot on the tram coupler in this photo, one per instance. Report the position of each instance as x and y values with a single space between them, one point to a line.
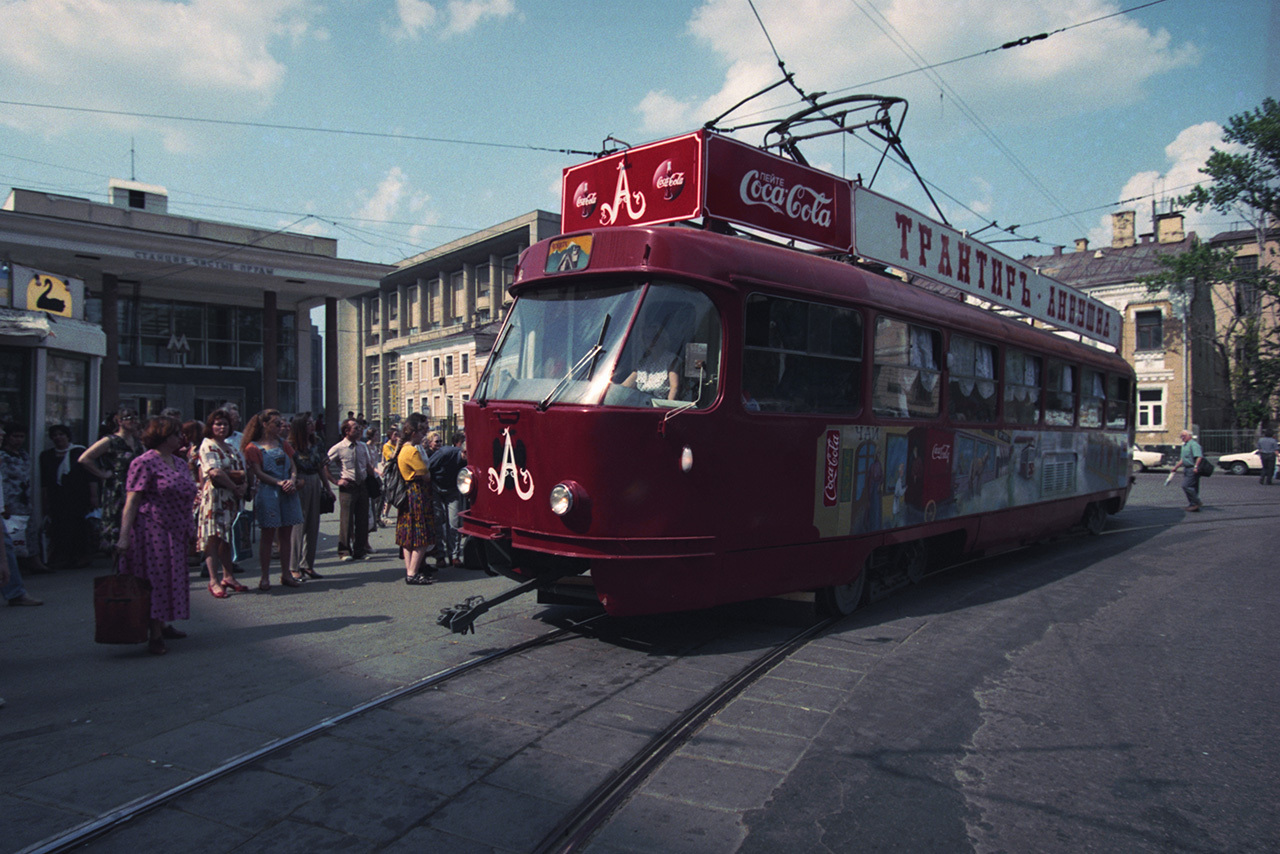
461 618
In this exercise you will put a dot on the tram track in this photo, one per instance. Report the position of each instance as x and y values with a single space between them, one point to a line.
582 822
579 823
105 823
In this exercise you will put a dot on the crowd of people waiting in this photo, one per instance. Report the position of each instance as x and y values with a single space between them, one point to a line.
161 493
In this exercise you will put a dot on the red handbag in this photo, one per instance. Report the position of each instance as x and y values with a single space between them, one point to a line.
121 609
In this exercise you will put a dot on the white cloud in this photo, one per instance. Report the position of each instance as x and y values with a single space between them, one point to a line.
1185 156
144 56
414 18
660 110
838 45
394 200
465 15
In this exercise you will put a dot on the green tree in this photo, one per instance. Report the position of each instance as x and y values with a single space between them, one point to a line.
1232 306
1233 352
1245 183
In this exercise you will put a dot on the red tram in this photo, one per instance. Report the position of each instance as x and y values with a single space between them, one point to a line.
679 418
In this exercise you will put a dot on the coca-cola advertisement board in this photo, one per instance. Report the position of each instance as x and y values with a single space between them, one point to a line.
752 188
646 185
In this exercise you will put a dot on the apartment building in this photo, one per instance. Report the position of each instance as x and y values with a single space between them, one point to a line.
422 339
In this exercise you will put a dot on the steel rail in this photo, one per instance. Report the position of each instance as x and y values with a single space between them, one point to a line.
108 821
595 809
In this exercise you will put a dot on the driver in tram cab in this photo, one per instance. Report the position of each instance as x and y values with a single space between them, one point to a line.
659 365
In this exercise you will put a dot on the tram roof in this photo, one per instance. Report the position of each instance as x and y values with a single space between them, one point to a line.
735 261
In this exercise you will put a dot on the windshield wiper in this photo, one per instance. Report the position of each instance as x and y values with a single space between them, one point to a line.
590 356
483 383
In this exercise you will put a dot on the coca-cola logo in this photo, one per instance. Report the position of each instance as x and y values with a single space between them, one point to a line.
797 202
941 452
668 180
831 482
584 199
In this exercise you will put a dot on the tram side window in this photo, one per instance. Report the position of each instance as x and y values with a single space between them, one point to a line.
1119 401
971 388
1060 395
1021 387
907 378
1093 399
801 357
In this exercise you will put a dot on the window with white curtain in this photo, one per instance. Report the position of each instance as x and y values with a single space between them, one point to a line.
971 368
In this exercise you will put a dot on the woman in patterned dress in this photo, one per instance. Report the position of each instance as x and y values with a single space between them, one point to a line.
415 532
156 527
222 490
115 452
276 504
313 466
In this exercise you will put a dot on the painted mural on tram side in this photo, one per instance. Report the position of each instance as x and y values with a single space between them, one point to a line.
878 478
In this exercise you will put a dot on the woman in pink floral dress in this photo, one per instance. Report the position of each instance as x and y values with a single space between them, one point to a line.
222 491
156 527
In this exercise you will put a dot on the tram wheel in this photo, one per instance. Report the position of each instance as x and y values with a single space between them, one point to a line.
1095 518
841 600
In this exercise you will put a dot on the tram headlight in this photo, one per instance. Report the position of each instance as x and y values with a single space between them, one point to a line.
561 499
566 497
464 480
686 459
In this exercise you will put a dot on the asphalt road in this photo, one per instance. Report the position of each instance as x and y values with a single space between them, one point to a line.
1112 693
1116 693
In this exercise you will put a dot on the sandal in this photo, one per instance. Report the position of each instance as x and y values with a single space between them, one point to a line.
232 584
288 580
220 593
264 586
311 573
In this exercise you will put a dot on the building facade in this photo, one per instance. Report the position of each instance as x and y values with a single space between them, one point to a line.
1248 316
423 338
159 310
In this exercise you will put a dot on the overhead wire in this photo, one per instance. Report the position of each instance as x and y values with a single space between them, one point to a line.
1009 45
1022 41
900 41
302 128
905 47
914 56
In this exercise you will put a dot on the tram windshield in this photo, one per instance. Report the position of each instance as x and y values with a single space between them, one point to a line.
655 345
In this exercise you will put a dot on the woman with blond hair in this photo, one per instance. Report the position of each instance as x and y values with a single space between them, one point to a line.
276 504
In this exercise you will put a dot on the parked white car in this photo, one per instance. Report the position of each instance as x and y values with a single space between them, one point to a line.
1143 460
1244 463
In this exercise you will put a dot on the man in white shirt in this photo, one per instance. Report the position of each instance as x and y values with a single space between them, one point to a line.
351 465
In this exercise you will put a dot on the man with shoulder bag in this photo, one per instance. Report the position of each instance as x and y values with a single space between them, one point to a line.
1190 460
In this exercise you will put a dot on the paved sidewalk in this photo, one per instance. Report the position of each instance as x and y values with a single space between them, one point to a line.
88 727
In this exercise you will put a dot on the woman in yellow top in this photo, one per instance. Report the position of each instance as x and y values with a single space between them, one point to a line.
393 442
415 532
388 451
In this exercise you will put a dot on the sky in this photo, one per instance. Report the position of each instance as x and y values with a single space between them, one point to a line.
399 125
